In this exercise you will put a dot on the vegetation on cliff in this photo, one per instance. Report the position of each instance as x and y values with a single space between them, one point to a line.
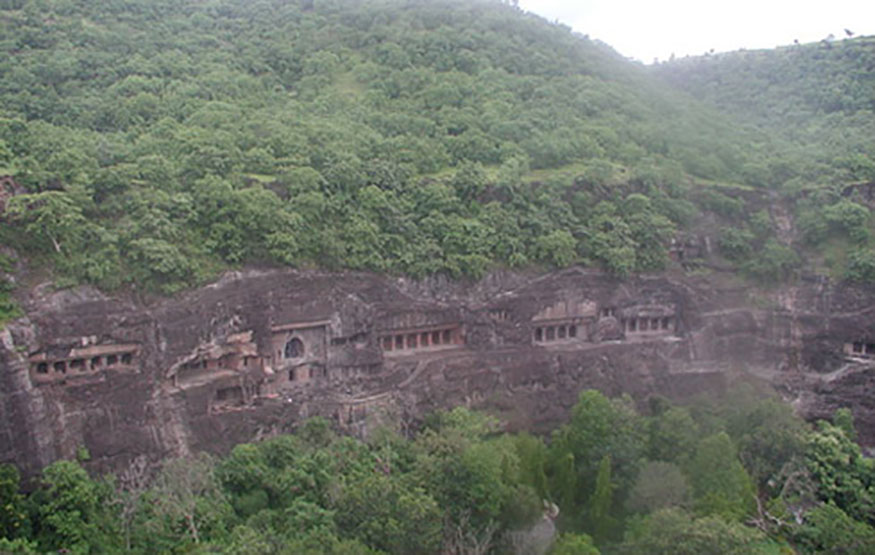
738 475
161 141
817 102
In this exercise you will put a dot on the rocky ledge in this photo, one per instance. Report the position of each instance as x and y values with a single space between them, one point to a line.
257 352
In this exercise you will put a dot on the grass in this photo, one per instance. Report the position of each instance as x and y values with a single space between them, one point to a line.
346 83
260 177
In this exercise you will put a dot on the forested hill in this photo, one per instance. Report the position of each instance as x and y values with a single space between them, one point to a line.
817 102
162 141
155 143
820 97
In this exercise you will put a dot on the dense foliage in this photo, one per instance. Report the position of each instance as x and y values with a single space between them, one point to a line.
161 141
817 102
734 475
819 97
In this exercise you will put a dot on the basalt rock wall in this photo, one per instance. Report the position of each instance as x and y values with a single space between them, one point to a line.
257 352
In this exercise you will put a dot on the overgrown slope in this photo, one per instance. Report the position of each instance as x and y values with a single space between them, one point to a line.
818 100
820 97
162 141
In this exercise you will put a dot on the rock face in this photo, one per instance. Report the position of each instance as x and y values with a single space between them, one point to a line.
257 352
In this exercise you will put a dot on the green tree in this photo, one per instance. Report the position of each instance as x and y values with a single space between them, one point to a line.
185 504
673 435
73 512
768 435
843 475
53 217
660 485
861 266
843 418
828 529
674 532
533 462
574 544
601 522
720 484
558 248
13 518
18 546
469 181
774 263
736 243
599 427
611 241
390 515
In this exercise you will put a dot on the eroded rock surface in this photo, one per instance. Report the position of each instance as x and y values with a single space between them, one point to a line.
257 352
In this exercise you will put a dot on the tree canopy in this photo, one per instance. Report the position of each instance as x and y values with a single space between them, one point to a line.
459 484
160 142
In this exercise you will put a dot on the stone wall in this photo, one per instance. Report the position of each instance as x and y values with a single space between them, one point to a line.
255 353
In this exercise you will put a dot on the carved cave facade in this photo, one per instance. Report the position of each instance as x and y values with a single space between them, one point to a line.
254 355
85 361
245 369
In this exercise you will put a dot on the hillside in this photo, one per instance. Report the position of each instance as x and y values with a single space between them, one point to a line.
818 102
427 276
820 97
161 142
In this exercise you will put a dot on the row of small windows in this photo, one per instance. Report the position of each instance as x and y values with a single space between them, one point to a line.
500 315
82 365
649 324
418 340
864 348
545 334
555 333
227 361
304 373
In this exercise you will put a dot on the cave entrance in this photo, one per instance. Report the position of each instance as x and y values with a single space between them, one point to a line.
294 348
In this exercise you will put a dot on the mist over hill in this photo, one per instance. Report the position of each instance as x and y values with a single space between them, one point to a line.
161 142
820 98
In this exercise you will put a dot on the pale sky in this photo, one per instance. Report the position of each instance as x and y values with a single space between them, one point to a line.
645 30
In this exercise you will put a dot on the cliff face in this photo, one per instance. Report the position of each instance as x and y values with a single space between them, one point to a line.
255 353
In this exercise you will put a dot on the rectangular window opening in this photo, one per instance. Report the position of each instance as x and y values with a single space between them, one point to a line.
229 394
